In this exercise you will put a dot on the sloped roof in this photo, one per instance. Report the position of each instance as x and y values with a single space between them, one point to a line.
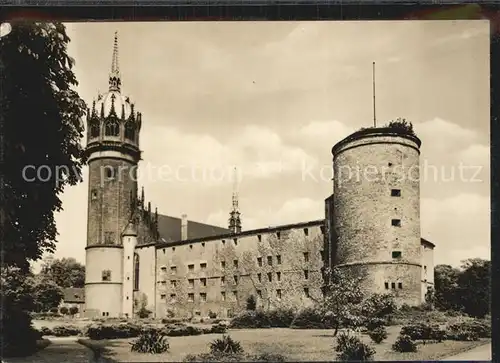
170 229
75 295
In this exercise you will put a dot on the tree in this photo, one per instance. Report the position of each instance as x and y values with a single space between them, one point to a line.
378 306
474 287
65 272
42 128
402 125
47 295
64 310
445 287
73 310
251 303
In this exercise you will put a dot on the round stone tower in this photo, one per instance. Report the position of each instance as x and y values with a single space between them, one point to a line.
376 211
113 154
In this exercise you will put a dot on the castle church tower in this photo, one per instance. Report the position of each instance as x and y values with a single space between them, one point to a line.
113 153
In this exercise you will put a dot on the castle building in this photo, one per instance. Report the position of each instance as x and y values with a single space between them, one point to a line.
137 258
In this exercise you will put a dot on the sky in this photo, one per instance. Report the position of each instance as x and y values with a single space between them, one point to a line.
272 98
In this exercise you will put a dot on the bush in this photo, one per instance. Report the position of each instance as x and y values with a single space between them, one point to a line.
351 348
309 318
268 357
45 331
404 344
152 341
120 331
208 357
378 335
64 310
423 331
225 345
280 318
374 323
73 310
143 313
212 315
378 306
54 310
65 331
183 331
251 303
481 328
250 319
218 329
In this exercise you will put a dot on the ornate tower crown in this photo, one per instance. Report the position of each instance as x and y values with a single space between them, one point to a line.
113 121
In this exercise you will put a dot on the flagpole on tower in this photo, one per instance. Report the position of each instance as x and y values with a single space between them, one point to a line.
374 113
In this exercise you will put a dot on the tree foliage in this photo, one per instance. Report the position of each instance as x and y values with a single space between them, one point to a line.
402 125
65 272
47 295
42 129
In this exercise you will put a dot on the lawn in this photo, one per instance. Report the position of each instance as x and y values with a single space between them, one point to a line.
296 345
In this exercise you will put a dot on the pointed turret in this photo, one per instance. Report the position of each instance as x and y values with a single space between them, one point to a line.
234 215
114 75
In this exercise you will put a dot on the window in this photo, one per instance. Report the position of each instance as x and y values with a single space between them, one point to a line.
259 293
203 282
259 261
389 164
306 256
395 192
278 294
191 282
396 254
223 264
259 277
235 263
94 194
191 297
130 131
278 276
163 269
270 260
235 241
235 278
259 237
112 128
223 296
387 286
164 251
306 274
222 281
136 272
172 297
190 247
278 234
270 276
163 282
203 266
173 249
306 231
322 228
306 291
235 295
202 244
278 259
425 269
108 237
223 241
203 296
110 173
400 285
162 296
396 222
393 285
191 267
94 129
173 269
106 275
173 283
128 278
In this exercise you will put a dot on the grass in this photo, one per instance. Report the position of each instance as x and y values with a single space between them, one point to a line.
297 345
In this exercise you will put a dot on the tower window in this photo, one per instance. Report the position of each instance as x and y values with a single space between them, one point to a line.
259 277
108 237
396 254
222 280
235 263
278 293
396 222
130 131
235 279
172 297
278 234
306 291
203 296
94 129
395 192
191 267
223 241
106 275
190 297
306 231
94 194
270 276
259 293
110 172
306 274
173 269
162 296
173 283
393 285
203 266
278 259
236 241
191 283
259 237
112 128
235 295
306 256
322 228
203 282
386 286
190 247
400 285
136 272
270 260
223 264
259 261
223 296
278 276
202 244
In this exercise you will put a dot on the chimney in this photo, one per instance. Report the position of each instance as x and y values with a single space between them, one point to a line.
184 227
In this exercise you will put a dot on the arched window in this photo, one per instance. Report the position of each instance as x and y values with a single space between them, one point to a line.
94 129
112 128
136 272
130 131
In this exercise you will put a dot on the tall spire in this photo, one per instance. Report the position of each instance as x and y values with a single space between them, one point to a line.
234 215
114 75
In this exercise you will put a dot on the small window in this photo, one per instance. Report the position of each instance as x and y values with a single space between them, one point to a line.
400 285
278 276
278 294
203 296
306 274
203 282
235 295
173 283
173 269
172 297
222 280
191 247
395 192
259 261
223 264
191 267
259 237
235 263
203 266
223 241
110 172
223 296
425 269
163 269
270 276
163 282
270 260
191 282
173 249
202 244
94 194
128 257
306 256
393 285
396 254
386 286
306 231
235 241
389 164
259 293
259 277
396 222
164 251
162 296
278 259
322 228
306 291
278 234
235 279
106 275
190 297
128 278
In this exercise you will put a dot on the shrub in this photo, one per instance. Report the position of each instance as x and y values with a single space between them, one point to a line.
143 313
309 318
183 331
423 331
378 335
100 331
208 357
73 310
351 348
378 306
482 328
251 303
225 345
64 310
218 329
251 319
65 331
281 318
54 310
404 344
374 323
212 315
45 331
152 341
268 357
